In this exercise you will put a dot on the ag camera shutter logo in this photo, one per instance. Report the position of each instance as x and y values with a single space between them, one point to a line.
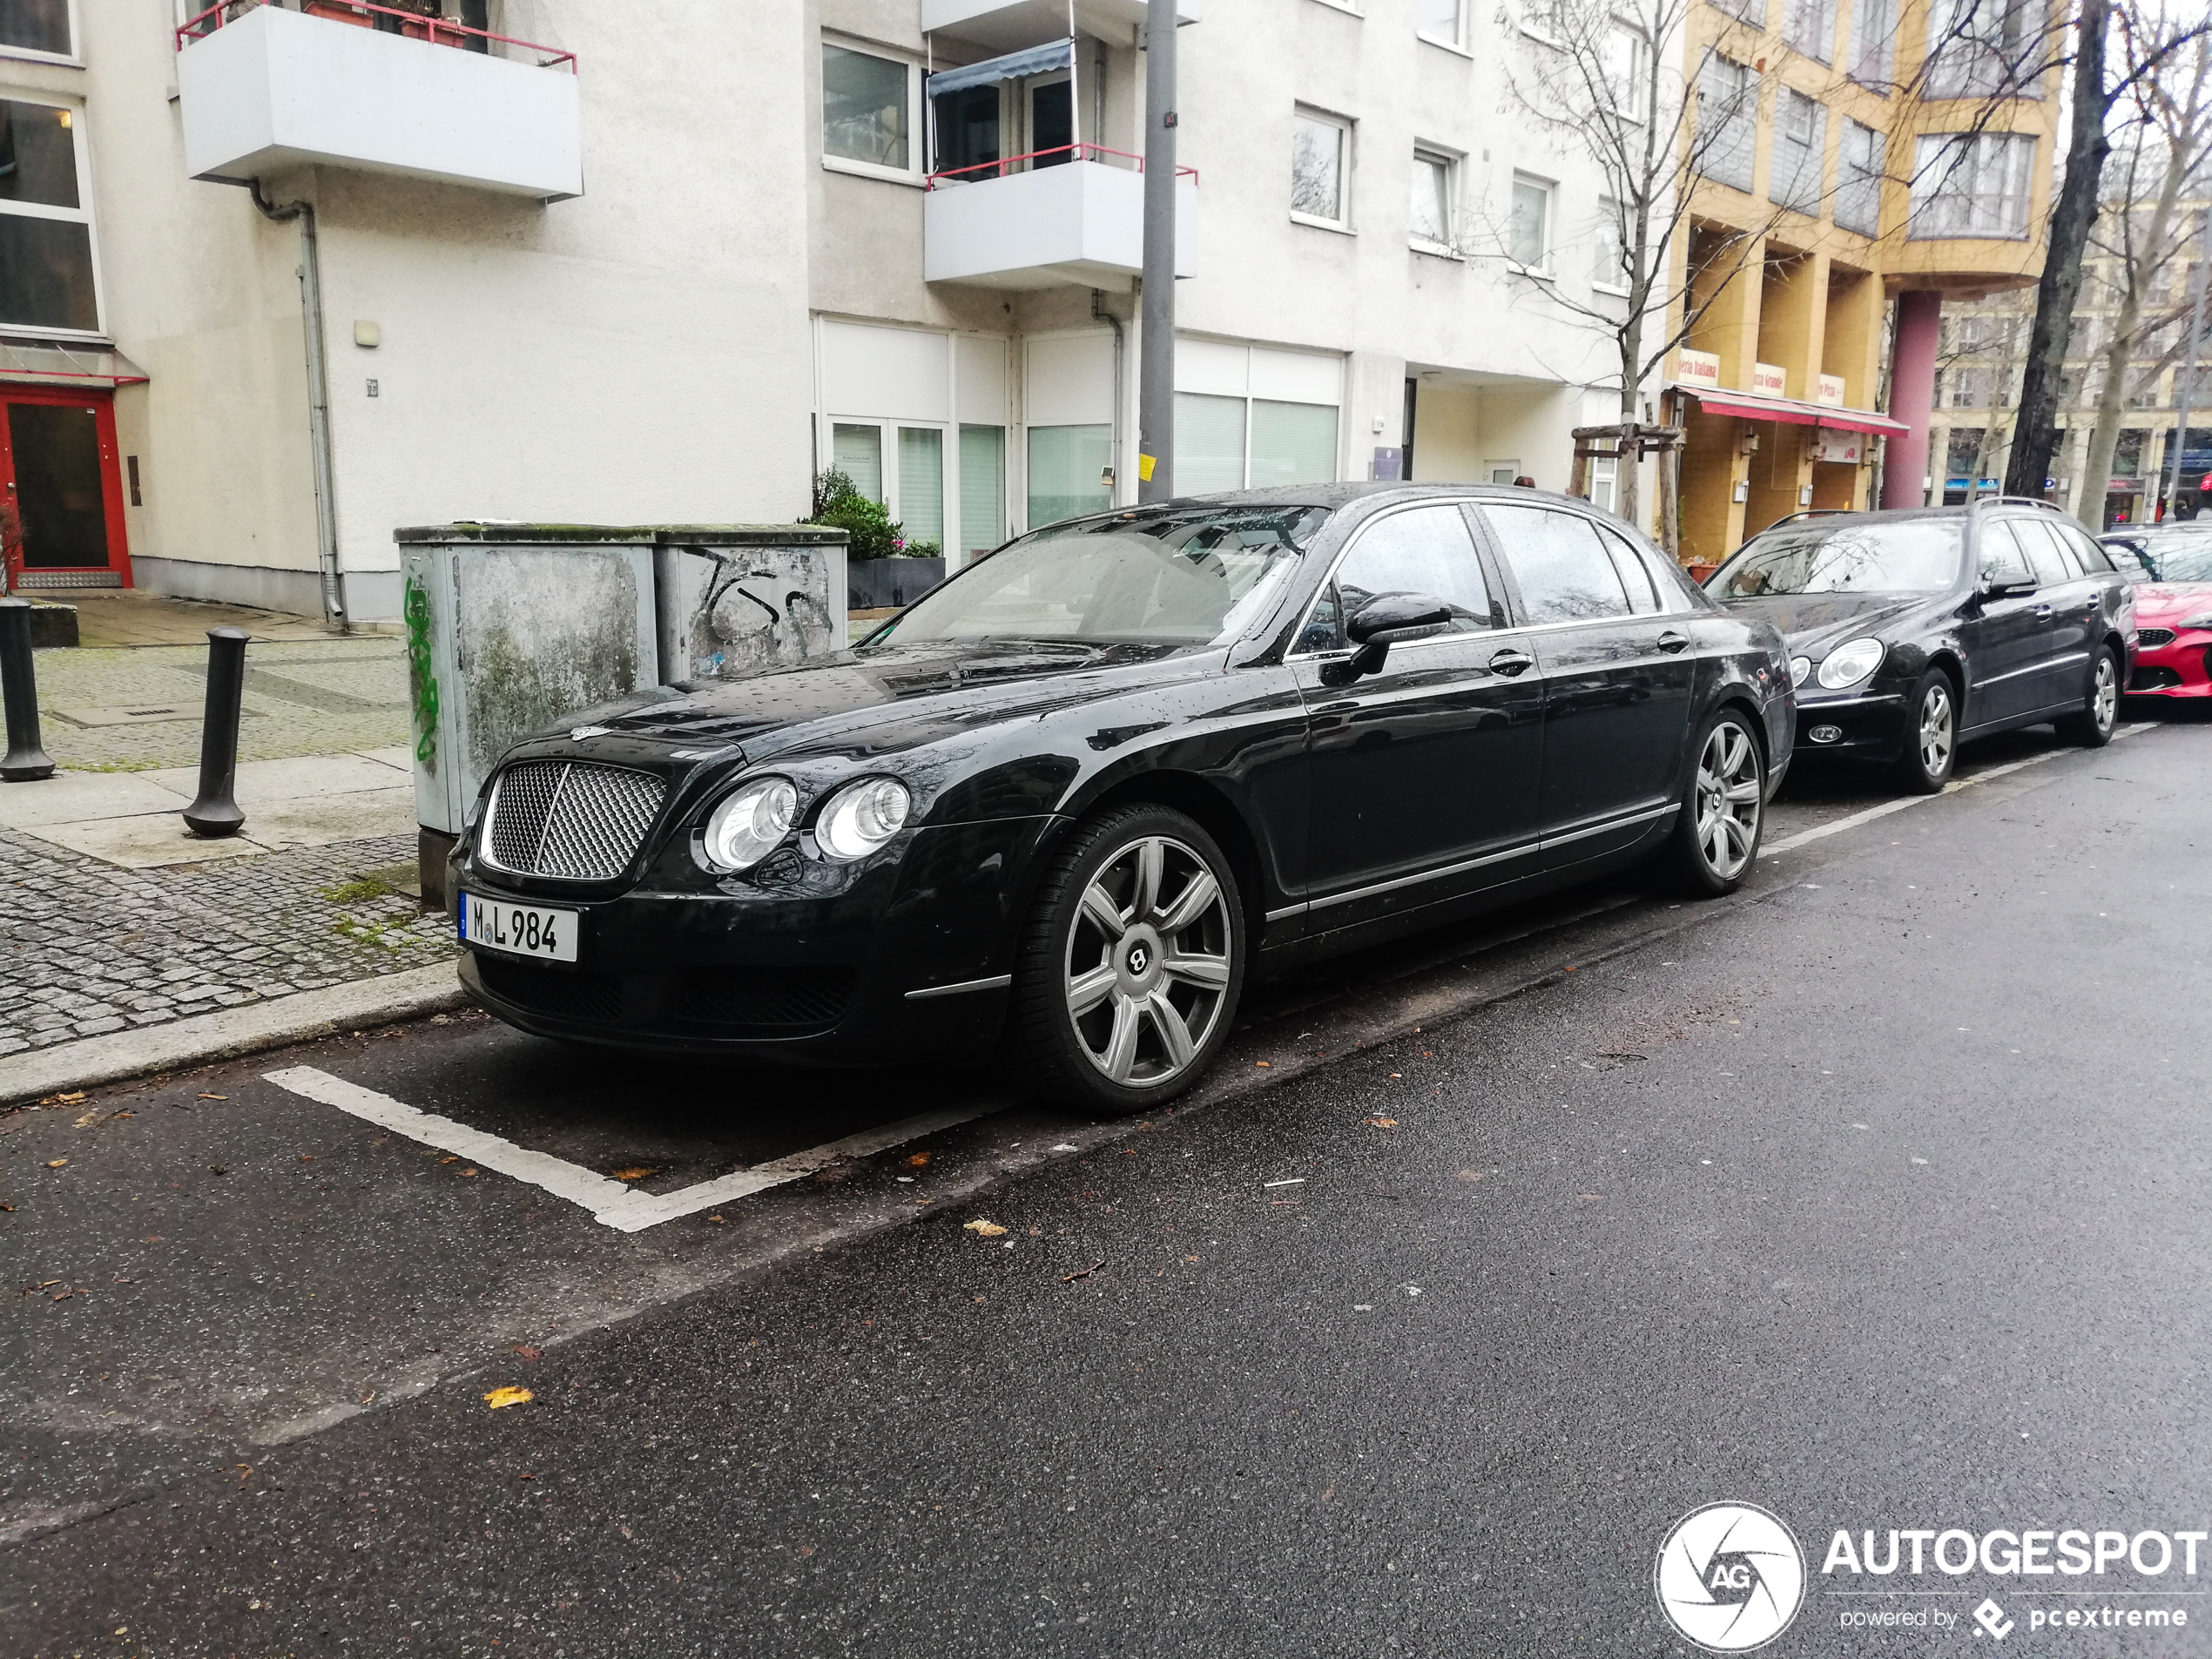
1730 1577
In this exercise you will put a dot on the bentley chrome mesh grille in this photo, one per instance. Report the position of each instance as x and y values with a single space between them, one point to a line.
571 819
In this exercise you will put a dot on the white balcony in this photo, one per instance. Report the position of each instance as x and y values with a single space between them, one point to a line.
1005 25
1080 222
276 88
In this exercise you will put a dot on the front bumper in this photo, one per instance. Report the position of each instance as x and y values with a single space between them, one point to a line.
1868 726
725 967
2176 667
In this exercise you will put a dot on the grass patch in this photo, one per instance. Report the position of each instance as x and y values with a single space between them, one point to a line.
113 766
362 889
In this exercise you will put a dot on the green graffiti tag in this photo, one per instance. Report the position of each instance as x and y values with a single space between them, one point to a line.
421 676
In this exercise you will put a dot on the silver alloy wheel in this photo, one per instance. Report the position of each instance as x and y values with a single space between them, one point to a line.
1728 801
1149 962
2104 693
1936 730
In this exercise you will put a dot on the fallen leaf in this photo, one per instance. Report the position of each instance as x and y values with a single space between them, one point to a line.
215 1096
984 1228
455 1158
465 1172
807 1549
499 1397
69 1099
918 1160
1472 1175
89 1119
56 1163
1265 1065
531 1353
634 1174
1398 1073
1381 1122
714 1218
306 1157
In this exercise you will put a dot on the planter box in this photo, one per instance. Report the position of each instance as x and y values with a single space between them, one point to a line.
873 584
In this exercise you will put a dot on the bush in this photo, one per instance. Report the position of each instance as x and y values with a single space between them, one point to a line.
872 533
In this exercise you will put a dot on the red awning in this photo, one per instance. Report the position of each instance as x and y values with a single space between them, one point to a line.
1789 410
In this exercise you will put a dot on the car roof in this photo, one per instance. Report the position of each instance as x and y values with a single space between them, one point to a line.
1334 497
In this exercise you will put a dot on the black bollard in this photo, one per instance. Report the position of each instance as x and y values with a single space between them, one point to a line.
26 758
215 812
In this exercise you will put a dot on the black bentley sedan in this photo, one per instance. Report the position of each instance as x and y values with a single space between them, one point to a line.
1912 631
1064 806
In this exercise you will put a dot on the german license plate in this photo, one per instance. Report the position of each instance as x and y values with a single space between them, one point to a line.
519 929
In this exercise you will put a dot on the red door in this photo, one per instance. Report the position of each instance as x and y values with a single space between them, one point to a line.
61 489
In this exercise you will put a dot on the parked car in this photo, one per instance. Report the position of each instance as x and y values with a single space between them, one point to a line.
1910 631
1075 797
2173 606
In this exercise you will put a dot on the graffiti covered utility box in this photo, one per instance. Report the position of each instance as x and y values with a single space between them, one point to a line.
509 629
732 599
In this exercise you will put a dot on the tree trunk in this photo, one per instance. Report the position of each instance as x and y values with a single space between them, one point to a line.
1626 469
2035 430
2104 438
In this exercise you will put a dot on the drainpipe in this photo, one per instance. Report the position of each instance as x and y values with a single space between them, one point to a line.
1099 311
334 593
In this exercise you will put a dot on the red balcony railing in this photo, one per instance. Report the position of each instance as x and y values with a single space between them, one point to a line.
1007 165
364 13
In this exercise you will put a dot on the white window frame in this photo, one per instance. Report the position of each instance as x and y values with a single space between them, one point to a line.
1345 6
1510 468
1542 270
1635 83
917 114
1932 172
1346 128
1608 220
1456 41
1539 19
74 57
948 465
1436 155
81 214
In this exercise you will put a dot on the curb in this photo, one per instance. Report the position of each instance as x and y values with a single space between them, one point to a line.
301 1016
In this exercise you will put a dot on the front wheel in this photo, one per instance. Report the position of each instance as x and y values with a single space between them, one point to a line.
1129 969
2093 727
1717 834
1931 735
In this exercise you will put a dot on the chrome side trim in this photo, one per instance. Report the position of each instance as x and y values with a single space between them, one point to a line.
2034 668
1633 818
1806 708
1437 874
1289 910
996 983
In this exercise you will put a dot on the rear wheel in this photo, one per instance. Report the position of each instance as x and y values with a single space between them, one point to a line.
2093 727
1131 967
1924 766
1717 834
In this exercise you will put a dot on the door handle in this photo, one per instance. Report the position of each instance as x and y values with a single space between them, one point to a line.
1510 662
1671 642
2043 613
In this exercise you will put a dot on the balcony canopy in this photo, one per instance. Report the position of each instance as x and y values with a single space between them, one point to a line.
1012 66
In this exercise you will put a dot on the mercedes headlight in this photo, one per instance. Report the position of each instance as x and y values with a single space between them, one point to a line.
1800 667
862 816
1850 663
749 823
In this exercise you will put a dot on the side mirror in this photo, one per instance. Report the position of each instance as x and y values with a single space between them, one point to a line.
1381 622
2004 581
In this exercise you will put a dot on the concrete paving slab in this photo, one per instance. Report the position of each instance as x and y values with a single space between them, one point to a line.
271 781
399 754
320 820
79 797
147 842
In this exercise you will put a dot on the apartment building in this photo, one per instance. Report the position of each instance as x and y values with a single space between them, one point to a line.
1858 162
277 278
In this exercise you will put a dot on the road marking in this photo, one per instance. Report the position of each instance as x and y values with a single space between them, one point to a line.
1952 788
623 1208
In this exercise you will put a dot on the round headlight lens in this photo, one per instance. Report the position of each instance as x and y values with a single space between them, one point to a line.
750 821
1800 667
1850 663
862 816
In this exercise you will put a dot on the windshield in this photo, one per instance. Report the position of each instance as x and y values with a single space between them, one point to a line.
1187 575
1906 556
2180 555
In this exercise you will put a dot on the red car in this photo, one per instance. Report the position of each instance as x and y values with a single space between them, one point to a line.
2173 606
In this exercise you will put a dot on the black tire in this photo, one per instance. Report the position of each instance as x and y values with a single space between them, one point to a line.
2099 713
1725 762
1121 1054
1928 751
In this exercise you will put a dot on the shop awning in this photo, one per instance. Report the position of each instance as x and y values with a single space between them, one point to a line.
67 366
1030 60
1789 410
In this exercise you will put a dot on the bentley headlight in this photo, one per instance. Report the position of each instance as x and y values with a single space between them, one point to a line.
1800 667
1850 663
862 816
749 823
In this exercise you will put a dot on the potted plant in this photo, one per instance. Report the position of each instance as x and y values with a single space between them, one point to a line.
883 569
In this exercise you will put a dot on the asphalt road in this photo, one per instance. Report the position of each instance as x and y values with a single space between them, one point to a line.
1875 1195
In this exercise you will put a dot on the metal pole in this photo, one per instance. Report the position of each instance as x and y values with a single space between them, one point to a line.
2188 383
318 441
215 812
1156 350
26 761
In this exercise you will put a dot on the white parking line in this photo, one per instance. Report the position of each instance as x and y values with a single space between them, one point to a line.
1792 843
623 1208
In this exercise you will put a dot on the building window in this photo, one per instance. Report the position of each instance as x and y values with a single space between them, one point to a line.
1810 27
982 487
1986 49
1970 388
1751 11
1627 69
1320 158
36 26
1251 444
1971 185
900 466
964 127
1429 220
1609 248
1874 42
1528 230
1067 472
1728 108
2127 453
1801 134
1605 473
867 110
1858 180
1961 450
48 280
1438 20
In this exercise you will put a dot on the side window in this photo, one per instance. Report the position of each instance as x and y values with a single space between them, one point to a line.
1563 569
2000 551
1424 550
2042 550
1635 575
2093 556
